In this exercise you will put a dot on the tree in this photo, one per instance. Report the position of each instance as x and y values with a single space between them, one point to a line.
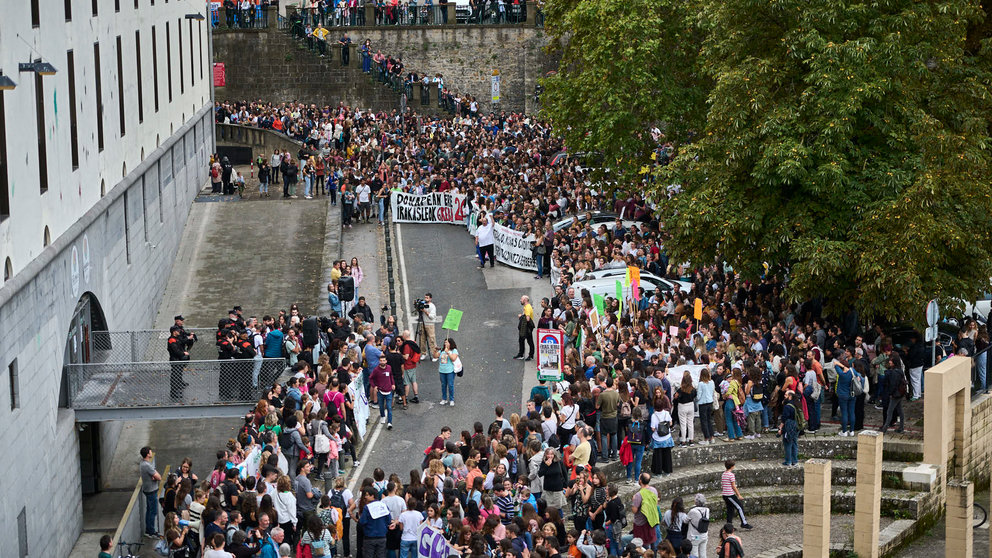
847 145
625 67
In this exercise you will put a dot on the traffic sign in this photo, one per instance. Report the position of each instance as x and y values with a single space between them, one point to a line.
933 313
931 333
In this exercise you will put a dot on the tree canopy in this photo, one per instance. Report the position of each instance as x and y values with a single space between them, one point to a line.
846 144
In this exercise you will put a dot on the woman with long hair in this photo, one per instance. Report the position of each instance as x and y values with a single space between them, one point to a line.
446 368
661 437
673 520
285 506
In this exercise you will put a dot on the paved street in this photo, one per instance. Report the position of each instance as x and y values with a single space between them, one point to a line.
441 259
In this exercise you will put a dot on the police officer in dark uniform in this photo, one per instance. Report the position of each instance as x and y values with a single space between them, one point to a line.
177 355
245 352
226 350
188 338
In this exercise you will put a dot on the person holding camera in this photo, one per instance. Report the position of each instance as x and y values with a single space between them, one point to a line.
425 333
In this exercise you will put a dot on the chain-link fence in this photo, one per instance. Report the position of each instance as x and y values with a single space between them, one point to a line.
158 384
149 345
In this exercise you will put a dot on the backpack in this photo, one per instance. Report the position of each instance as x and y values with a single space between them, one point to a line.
704 522
636 435
757 391
285 439
337 499
903 387
663 429
800 419
857 388
318 547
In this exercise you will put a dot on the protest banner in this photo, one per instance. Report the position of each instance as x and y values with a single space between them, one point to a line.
361 409
436 207
432 544
675 373
550 354
513 248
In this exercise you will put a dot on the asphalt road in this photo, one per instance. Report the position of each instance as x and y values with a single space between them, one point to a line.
441 259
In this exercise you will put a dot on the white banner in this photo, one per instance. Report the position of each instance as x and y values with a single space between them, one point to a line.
361 409
675 374
436 207
432 544
513 248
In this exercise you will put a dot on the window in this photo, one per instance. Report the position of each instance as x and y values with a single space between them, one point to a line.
168 59
199 38
4 186
192 64
117 5
15 396
161 211
155 67
182 72
96 8
39 107
144 209
8 270
22 533
47 237
120 86
97 71
70 62
127 230
140 76
67 8
36 13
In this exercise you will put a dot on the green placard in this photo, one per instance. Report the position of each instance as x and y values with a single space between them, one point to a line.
452 320
600 303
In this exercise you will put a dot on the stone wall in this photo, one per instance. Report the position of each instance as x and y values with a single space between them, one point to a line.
977 470
268 64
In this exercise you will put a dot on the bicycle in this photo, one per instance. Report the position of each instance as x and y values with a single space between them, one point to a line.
130 548
979 515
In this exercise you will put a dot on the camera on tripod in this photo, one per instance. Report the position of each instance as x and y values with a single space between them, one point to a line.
420 304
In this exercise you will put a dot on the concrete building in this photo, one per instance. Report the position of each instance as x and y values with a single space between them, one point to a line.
99 162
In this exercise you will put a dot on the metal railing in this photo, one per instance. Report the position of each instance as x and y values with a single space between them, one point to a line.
254 17
421 13
148 345
119 385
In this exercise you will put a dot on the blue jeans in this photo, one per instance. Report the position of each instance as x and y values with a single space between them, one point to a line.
306 186
610 445
539 258
764 416
846 405
635 465
448 386
733 429
386 406
814 412
791 451
614 538
382 209
408 548
151 512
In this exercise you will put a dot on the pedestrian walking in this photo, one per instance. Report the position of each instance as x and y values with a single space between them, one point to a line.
732 495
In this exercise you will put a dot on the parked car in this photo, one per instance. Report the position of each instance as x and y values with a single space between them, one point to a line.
607 286
645 276
598 218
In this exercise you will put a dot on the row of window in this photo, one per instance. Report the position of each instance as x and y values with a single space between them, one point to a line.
94 9
39 90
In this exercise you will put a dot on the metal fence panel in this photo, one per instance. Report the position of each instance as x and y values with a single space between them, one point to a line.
148 345
158 384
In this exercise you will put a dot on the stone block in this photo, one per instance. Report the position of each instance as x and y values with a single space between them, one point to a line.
920 474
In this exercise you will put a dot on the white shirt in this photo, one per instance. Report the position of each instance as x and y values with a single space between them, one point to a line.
363 192
485 232
411 521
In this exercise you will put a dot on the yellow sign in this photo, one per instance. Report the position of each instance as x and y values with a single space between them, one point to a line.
698 309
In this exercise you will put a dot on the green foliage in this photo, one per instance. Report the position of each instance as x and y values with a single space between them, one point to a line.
846 144
625 67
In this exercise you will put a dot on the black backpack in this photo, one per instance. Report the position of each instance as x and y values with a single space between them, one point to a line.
337 499
285 439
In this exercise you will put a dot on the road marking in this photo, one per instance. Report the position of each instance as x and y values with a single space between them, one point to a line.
369 443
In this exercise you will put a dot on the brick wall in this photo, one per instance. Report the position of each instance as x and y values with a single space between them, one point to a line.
267 64
977 470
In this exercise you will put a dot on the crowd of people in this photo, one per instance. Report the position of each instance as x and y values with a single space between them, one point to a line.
639 374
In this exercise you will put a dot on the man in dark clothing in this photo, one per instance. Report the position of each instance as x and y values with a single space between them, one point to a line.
362 309
226 354
345 43
226 169
177 354
893 388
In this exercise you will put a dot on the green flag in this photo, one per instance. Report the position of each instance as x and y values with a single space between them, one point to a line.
620 293
600 303
452 320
